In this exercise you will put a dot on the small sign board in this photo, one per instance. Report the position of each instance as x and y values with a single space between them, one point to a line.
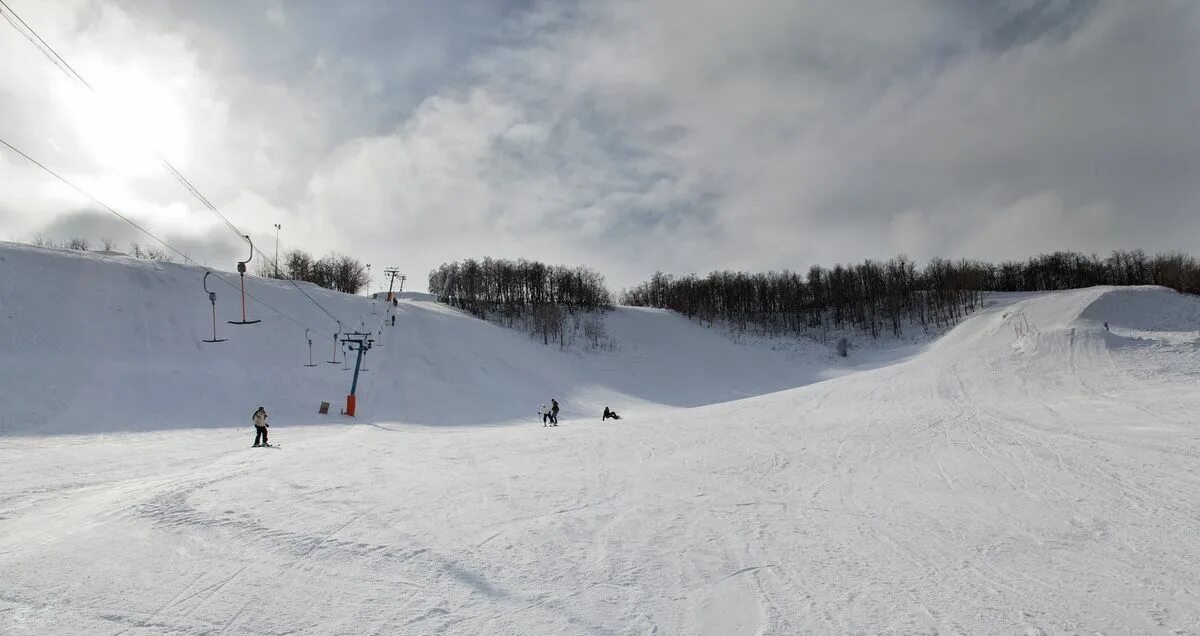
324 410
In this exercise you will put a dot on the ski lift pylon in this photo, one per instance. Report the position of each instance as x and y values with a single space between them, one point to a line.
212 298
242 275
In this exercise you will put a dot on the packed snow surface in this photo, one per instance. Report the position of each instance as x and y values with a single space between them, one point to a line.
1030 471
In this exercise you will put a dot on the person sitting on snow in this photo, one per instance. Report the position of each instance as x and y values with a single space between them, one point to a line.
608 414
260 426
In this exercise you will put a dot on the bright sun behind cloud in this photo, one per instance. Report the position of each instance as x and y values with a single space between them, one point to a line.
127 121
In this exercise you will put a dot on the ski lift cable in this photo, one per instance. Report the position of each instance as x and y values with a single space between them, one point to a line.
62 64
41 45
145 231
300 289
314 301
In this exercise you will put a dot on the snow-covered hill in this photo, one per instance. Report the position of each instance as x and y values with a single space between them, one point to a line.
108 343
1031 471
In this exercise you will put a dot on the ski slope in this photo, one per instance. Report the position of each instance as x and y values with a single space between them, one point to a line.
1028 472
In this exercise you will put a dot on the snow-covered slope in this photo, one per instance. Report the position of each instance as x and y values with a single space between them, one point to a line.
105 343
1029 472
108 343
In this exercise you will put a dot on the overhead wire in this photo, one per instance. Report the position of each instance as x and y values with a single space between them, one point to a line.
144 231
47 50
61 63
298 287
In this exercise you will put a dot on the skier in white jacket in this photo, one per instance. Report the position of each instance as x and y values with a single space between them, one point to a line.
260 426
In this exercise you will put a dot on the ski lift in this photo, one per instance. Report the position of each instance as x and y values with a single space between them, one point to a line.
212 298
310 362
242 275
335 343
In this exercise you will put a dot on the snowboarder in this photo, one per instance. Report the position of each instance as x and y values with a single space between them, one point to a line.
260 427
608 414
554 411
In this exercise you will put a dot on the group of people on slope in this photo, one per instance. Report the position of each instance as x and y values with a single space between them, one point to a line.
550 416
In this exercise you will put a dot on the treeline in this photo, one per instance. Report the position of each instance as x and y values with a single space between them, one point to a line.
541 299
506 286
334 271
885 296
1072 270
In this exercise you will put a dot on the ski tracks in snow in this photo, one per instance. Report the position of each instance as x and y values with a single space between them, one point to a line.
980 487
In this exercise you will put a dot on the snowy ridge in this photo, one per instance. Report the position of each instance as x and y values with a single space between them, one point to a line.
1028 472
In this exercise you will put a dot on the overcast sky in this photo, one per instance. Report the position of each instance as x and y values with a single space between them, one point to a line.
680 135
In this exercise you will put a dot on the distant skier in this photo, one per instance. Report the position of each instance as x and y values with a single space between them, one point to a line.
393 320
260 427
547 417
1106 325
554 411
608 414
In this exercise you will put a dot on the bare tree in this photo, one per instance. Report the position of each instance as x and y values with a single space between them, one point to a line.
157 254
594 330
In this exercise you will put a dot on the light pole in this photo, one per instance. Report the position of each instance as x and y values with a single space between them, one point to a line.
368 279
277 250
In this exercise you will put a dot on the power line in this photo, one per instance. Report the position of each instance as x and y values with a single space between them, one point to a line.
145 231
64 66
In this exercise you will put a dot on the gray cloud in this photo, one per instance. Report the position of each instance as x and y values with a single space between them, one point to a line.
636 136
